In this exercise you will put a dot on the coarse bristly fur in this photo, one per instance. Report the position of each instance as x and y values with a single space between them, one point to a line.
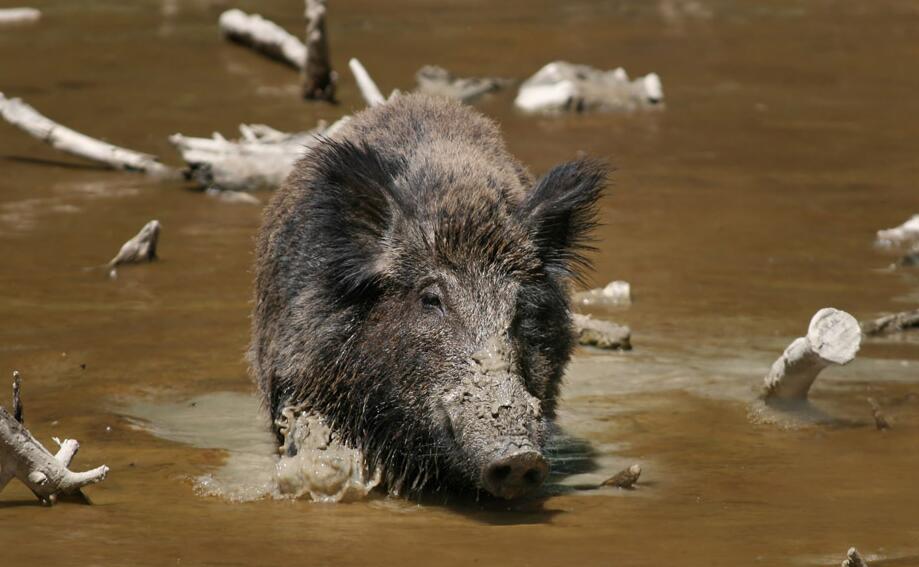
392 253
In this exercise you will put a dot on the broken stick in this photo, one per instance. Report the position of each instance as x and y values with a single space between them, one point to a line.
30 121
438 81
833 337
369 90
19 15
141 248
46 475
625 478
891 323
264 36
318 77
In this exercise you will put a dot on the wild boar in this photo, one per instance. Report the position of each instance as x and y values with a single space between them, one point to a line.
411 287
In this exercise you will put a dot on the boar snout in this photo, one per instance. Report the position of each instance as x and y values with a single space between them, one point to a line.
498 426
515 472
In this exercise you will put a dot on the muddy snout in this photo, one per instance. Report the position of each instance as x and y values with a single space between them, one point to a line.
515 472
499 427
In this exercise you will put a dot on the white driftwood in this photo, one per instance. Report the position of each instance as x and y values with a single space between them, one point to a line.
601 334
264 36
318 77
833 337
625 478
19 15
141 248
854 559
892 323
232 196
562 86
615 293
262 157
27 119
905 234
438 81
46 475
369 90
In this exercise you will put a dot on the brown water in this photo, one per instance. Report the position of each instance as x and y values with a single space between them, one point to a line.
791 134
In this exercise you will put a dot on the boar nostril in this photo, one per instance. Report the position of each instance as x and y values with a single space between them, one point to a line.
512 475
498 474
533 476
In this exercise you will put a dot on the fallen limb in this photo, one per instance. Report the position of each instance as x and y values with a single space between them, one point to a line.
906 233
601 334
318 77
19 15
854 559
27 119
891 323
46 475
232 196
264 36
562 86
625 478
262 157
615 293
833 337
141 248
369 90
438 81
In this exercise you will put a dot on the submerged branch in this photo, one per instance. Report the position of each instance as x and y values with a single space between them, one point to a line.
19 15
264 36
46 475
318 77
369 90
30 121
833 337
891 323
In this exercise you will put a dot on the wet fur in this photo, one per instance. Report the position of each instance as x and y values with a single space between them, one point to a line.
415 191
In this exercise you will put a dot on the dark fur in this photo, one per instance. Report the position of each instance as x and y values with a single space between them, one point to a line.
415 195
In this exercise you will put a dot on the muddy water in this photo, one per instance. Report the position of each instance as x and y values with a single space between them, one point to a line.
790 136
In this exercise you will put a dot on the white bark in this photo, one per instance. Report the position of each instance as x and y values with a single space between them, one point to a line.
264 36
601 334
46 475
141 248
438 81
906 233
27 119
833 337
615 293
19 15
262 157
891 323
369 90
562 86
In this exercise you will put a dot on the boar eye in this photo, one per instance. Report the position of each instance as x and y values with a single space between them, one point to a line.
430 300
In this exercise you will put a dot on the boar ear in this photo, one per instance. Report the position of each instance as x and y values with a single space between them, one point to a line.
561 211
356 203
